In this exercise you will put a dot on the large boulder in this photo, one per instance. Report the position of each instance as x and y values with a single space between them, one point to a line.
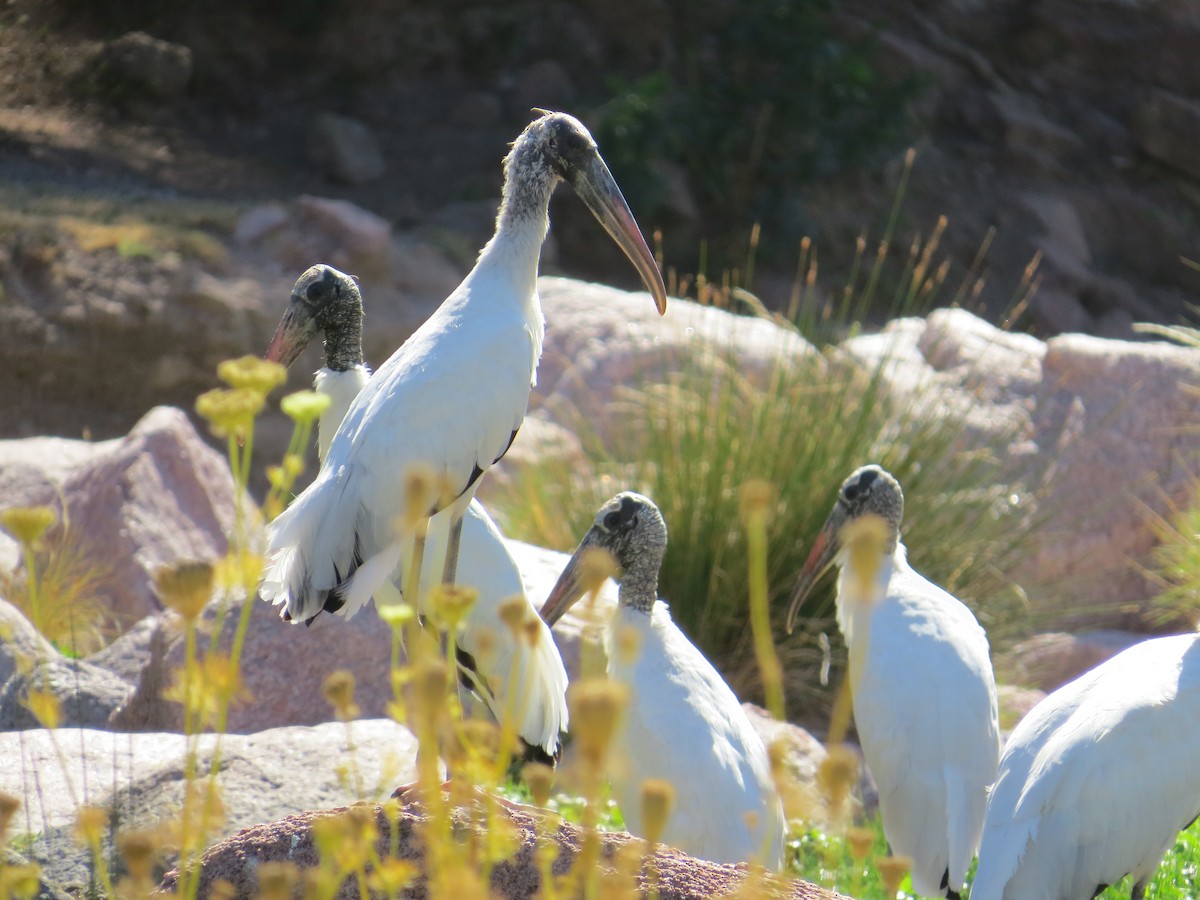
140 779
131 505
21 646
677 876
86 694
1087 430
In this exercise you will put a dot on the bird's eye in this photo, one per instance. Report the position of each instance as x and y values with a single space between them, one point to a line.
850 491
318 292
612 520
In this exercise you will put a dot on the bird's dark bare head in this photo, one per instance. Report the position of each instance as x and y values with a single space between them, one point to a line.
322 300
555 146
871 490
631 528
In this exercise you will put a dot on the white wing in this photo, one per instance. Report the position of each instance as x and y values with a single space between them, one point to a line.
1098 778
926 715
685 725
451 397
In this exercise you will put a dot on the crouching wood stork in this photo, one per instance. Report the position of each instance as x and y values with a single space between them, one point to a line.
1097 779
921 683
328 302
683 723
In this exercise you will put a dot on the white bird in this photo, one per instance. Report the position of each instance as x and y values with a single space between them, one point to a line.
325 300
1097 779
921 683
451 398
683 722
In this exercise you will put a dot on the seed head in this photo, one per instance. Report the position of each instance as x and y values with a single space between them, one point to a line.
137 848
305 407
865 538
595 706
859 841
27 524
230 412
836 775
539 778
420 490
596 565
754 501
658 799
339 693
276 880
532 631
628 644
252 373
512 612
9 806
185 587
892 870
390 876
397 615
451 603
90 824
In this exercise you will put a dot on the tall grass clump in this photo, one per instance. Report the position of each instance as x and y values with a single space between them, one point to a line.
799 420
1176 564
58 589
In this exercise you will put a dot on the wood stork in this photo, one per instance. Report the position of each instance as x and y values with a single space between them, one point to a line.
328 301
921 682
683 723
1097 779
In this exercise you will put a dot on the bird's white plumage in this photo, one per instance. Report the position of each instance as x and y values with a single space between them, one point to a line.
450 397
1097 779
526 682
341 388
685 725
925 708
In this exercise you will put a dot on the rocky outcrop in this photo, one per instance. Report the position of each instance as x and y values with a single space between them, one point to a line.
140 779
131 505
679 877
1058 414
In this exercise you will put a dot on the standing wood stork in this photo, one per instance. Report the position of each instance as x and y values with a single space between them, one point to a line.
683 723
1097 779
451 397
328 301
921 682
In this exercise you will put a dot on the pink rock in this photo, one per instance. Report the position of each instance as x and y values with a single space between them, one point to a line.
283 669
158 496
259 221
1048 661
360 231
678 877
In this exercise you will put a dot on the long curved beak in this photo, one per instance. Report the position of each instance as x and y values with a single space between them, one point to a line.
292 335
597 188
580 575
823 554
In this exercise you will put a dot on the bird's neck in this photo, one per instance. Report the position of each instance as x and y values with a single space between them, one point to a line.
343 343
341 387
639 586
868 585
858 595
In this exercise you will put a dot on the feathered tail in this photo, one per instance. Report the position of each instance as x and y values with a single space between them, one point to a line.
312 547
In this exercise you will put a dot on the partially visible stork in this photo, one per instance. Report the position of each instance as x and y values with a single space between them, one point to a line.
329 302
921 682
1097 779
683 724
